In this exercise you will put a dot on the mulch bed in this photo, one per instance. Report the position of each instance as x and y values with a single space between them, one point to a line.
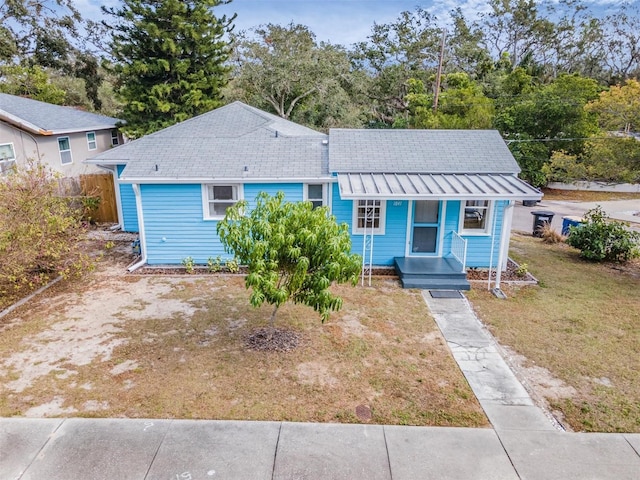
273 340
510 275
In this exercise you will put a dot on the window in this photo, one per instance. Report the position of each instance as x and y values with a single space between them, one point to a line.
217 198
65 150
114 138
7 154
369 214
91 140
316 193
476 216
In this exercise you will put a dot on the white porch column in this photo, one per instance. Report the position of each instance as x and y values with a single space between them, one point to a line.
503 255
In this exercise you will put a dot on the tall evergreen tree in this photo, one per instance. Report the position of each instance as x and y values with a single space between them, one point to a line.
169 60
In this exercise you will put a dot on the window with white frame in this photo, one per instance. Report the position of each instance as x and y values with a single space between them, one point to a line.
92 144
475 216
7 153
316 193
218 198
64 145
115 140
369 215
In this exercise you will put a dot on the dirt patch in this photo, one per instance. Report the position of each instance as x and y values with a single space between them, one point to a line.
86 326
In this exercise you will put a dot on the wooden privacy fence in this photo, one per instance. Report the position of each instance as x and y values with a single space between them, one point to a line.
94 193
101 185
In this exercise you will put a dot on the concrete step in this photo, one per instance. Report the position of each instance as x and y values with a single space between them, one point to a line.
430 283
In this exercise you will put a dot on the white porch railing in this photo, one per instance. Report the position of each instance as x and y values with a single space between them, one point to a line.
459 249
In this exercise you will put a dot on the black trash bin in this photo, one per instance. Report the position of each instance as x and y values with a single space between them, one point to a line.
540 218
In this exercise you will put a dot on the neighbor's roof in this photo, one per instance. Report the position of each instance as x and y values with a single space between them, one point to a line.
42 118
420 151
219 145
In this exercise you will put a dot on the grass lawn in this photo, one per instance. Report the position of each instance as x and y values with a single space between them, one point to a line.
174 347
583 325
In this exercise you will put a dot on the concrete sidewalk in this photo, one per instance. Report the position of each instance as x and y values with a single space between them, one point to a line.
57 449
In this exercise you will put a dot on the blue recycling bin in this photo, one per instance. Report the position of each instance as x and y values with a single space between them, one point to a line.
568 222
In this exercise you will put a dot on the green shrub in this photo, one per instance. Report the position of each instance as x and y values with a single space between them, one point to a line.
189 264
40 231
599 238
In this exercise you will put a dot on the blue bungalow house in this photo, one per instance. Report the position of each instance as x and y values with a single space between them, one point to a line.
428 202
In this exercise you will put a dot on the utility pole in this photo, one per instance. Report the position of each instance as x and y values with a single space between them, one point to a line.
439 74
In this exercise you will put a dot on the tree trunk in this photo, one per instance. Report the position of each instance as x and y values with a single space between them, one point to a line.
272 320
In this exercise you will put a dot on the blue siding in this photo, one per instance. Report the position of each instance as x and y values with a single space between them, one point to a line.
385 247
293 192
175 227
174 224
128 204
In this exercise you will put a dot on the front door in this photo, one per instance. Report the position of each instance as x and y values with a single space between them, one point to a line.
424 232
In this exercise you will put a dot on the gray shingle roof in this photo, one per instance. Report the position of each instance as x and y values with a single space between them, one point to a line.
219 144
48 119
419 151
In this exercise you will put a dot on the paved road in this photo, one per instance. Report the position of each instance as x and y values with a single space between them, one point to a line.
623 210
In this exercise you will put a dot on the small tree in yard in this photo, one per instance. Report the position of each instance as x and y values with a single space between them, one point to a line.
40 231
601 239
292 251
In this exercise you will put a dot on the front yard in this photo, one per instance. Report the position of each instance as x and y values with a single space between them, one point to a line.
162 346
575 338
174 347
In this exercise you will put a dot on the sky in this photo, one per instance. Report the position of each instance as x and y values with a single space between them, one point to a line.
337 21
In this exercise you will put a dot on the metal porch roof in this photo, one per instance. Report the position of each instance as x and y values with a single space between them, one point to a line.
421 186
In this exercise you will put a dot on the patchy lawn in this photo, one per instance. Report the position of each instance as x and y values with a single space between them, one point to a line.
576 337
174 347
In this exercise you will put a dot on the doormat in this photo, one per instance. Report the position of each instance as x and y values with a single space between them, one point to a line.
445 294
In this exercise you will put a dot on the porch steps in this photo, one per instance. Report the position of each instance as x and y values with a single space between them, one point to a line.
431 273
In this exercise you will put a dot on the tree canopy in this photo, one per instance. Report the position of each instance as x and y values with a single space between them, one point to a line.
284 70
292 251
168 59
533 69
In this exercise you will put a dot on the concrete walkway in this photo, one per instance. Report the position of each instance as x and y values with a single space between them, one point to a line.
503 398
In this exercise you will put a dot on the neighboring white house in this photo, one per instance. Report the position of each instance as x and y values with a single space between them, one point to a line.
61 137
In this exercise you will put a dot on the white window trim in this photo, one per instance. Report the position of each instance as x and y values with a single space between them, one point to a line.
94 141
62 151
376 231
13 149
325 190
205 198
476 232
115 137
